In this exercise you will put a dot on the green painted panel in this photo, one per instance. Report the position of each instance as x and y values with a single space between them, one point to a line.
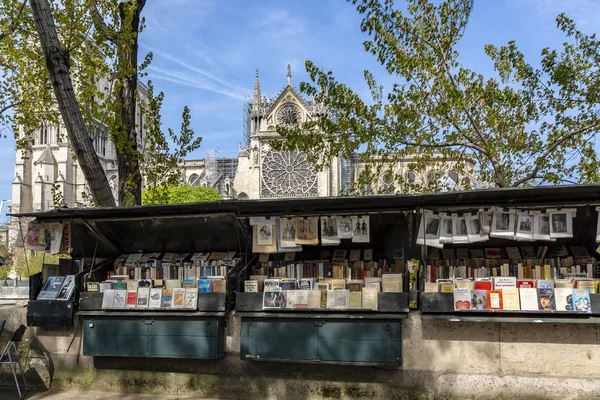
106 338
183 347
196 328
279 340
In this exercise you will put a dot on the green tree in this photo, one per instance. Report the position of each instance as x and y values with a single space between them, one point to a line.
180 194
526 126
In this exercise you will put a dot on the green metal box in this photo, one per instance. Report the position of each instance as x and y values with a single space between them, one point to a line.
322 340
143 336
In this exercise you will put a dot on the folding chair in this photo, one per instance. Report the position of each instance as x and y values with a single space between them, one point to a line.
13 358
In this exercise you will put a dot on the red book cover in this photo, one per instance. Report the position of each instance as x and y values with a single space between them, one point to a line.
494 300
525 283
131 298
483 285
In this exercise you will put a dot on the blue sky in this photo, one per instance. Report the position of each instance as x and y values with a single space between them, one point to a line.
206 53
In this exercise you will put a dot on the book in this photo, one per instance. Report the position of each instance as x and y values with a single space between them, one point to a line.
581 300
546 300
51 288
273 298
287 284
513 253
354 255
483 284
218 285
528 298
290 298
431 287
172 283
391 282
324 298
563 298
501 282
586 284
479 300
494 299
563 284
322 286
525 283
330 299
93 286
510 299
131 299
370 298
121 285
204 286
67 288
314 299
120 298
342 297
155 298
462 299
356 285
251 286
131 284
104 286
355 300
178 298
272 285
189 283
464 283
301 299
373 282
446 286
108 299
545 284
167 298
338 255
143 297
368 254
306 284
338 284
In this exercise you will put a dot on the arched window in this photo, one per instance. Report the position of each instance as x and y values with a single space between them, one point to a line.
194 180
242 196
431 176
454 176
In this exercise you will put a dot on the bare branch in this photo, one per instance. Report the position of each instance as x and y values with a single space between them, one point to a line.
13 26
99 22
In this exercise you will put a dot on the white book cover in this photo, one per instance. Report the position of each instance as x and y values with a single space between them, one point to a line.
331 299
143 297
251 286
462 299
120 299
290 298
564 299
342 298
155 297
301 299
529 299
108 299
501 282
314 299
191 299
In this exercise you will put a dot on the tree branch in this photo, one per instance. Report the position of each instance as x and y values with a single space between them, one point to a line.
13 25
8 107
550 149
99 22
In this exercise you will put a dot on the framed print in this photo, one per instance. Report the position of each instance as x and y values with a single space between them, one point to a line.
503 224
287 232
561 222
485 219
265 235
429 229
524 229
344 230
541 227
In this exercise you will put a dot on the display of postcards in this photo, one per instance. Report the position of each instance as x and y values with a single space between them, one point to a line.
329 231
108 299
563 298
479 300
120 298
503 224
459 229
155 298
273 300
354 255
581 300
524 229
287 284
445 228
339 255
361 229
166 299
513 253
528 252
477 253
493 253
344 229
191 299
178 298
307 231
474 231
462 299
51 288
546 300
561 222
485 220
143 297
541 227
429 229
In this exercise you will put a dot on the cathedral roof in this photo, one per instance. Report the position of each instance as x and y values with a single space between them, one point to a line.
47 157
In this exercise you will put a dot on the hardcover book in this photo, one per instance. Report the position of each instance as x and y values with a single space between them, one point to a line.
155 297
191 299
143 297
528 298
462 299
479 300
219 285
370 298
120 298
546 300
301 299
108 299
510 299
494 298
178 298
563 298
131 298
355 300
314 299
167 298
581 300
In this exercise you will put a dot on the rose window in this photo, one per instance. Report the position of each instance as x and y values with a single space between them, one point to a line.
288 174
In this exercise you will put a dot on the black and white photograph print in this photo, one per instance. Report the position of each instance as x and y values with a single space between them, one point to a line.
524 226
445 228
485 219
561 222
474 229
503 224
287 232
360 229
265 235
433 226
459 229
329 231
344 230
541 227
429 229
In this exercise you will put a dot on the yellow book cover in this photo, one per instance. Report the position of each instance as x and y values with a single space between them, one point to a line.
510 298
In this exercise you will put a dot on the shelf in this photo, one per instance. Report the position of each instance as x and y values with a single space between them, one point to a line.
149 313
550 318
322 314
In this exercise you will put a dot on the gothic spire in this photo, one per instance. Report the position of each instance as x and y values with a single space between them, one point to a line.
256 98
289 75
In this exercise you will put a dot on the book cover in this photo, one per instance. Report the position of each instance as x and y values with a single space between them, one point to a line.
204 285
251 286
339 255
131 284
290 298
172 284
104 286
51 288
525 283
391 282
191 299
338 284
178 298
155 297
121 285
287 284
563 298
546 300
513 253
189 283
528 298
306 284
324 298
586 284
301 299
143 297
494 299
67 288
483 284
131 299
342 298
355 300
330 299
219 285
167 298
563 283
545 284
108 299
322 286
479 300
501 282
446 286
93 286
477 253
314 299
273 299
462 299
581 300
510 299
120 298
431 287
354 255
370 299
272 285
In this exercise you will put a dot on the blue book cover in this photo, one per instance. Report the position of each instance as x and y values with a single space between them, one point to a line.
581 300
545 284
204 285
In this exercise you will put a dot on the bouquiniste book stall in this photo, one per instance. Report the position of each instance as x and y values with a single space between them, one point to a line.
158 284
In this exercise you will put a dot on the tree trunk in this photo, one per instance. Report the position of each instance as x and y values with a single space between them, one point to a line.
57 62
128 157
